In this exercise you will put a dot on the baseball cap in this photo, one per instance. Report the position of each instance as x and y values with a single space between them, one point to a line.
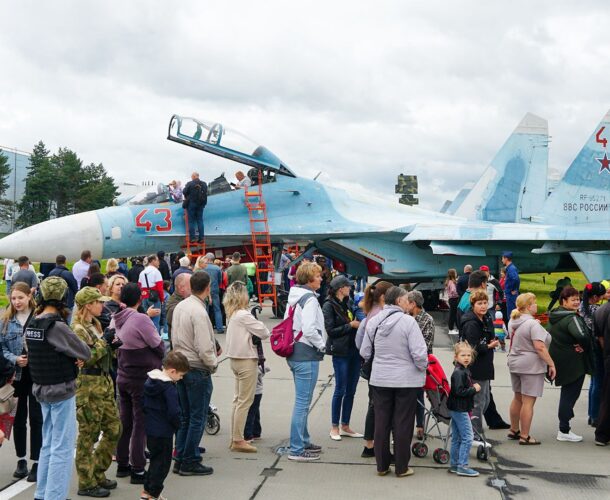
89 294
507 254
53 288
484 268
339 282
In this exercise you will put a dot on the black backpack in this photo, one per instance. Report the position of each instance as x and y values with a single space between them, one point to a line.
199 193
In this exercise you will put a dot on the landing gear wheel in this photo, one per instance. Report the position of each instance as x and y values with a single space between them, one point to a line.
441 456
420 450
482 453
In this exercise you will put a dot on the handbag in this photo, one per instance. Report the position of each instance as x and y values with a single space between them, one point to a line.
153 295
367 366
7 400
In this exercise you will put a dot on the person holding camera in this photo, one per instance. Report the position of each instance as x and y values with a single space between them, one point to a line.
141 350
96 409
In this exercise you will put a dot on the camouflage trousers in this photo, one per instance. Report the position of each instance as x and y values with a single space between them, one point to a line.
96 412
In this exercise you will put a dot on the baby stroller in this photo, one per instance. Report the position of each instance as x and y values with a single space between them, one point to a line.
212 424
437 389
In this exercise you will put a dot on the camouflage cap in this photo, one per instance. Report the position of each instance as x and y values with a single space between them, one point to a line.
53 288
89 294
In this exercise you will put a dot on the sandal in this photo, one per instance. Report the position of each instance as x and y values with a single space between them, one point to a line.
528 441
514 435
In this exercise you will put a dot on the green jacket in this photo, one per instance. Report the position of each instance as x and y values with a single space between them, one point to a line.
568 329
237 272
101 353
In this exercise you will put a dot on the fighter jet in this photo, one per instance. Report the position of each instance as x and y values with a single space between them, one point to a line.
369 235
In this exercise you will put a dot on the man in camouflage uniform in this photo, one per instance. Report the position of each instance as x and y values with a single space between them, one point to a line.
96 409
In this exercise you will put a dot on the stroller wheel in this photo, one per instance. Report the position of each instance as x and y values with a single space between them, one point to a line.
440 456
420 450
212 425
482 453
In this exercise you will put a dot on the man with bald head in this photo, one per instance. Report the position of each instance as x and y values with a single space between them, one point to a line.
462 282
195 199
182 290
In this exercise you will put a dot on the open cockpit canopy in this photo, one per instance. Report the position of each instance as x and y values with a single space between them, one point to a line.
219 140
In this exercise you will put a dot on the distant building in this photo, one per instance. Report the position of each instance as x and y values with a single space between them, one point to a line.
18 161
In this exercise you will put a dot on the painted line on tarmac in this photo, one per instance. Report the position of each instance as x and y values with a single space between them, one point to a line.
325 386
14 489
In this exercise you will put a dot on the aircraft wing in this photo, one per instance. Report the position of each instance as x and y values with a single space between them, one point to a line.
481 231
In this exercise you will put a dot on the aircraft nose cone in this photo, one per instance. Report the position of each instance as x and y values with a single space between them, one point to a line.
68 236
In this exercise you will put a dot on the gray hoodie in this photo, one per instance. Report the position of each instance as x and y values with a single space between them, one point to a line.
401 355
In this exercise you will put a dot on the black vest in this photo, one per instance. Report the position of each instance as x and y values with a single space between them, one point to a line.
47 366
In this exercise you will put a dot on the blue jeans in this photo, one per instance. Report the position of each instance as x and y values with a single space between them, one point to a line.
195 393
461 438
195 219
146 303
305 374
215 302
347 373
57 452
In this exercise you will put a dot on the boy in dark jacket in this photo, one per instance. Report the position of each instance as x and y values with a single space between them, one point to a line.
460 403
162 420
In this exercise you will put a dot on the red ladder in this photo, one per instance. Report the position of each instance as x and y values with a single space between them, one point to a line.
191 249
261 241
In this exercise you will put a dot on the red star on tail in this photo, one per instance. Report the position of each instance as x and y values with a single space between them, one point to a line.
605 163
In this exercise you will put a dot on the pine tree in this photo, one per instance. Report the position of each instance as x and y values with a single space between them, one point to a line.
69 173
38 202
96 190
59 185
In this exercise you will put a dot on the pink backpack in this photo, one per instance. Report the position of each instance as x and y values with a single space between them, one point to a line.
282 336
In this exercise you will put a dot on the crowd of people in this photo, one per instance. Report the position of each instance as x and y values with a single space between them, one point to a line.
120 365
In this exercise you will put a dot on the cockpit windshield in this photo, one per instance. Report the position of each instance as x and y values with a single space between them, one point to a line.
153 194
217 139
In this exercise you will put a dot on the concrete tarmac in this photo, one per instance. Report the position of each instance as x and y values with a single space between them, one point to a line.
552 470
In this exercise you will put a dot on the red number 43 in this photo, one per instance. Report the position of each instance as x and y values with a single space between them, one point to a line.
147 224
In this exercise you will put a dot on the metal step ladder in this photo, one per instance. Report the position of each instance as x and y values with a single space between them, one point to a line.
261 243
191 249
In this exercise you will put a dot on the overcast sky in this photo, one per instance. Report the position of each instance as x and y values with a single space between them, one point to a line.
361 91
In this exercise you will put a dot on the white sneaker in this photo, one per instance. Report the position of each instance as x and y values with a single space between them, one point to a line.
476 443
570 437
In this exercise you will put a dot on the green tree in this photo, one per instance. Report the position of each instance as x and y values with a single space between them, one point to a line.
37 203
69 176
96 189
60 185
6 206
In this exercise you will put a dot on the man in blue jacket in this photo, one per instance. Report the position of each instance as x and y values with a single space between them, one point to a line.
512 283
63 272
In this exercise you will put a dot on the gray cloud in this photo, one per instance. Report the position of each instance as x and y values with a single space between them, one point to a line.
359 91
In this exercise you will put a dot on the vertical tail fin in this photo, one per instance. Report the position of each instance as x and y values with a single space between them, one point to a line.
583 195
513 187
